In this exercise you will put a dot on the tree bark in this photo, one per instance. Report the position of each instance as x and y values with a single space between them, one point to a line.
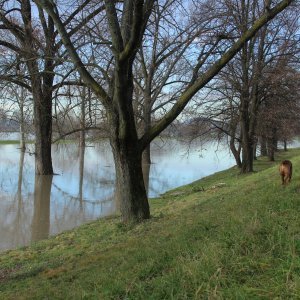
247 141
146 128
263 146
272 145
22 120
130 188
82 117
43 134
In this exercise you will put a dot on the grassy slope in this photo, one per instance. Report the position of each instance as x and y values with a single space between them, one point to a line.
239 239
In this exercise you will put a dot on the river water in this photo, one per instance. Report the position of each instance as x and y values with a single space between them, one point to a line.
34 207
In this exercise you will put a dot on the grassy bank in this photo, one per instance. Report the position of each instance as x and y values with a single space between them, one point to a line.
226 236
8 142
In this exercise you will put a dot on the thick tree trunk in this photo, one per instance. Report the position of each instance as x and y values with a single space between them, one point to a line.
42 99
41 84
130 188
43 132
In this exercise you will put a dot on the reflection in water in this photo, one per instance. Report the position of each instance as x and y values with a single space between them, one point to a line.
81 171
18 220
20 177
84 188
41 216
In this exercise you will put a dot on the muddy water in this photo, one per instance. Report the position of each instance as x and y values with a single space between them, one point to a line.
34 207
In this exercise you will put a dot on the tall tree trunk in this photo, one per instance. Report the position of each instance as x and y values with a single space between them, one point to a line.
263 146
272 144
22 120
271 152
42 84
130 188
43 134
247 142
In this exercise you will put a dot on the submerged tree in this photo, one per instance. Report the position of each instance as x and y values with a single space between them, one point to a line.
127 22
32 38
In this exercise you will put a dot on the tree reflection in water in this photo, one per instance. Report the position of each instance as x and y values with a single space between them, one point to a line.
84 188
40 227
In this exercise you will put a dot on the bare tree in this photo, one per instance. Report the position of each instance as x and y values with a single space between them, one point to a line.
241 85
127 22
279 113
34 41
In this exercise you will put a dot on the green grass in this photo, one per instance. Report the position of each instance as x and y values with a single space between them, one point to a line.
8 142
227 236
13 142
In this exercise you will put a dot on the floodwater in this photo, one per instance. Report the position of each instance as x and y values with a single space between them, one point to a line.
35 207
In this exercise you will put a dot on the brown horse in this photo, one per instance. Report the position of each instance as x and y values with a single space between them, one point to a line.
285 170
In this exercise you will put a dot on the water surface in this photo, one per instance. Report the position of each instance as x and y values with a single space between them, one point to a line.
34 207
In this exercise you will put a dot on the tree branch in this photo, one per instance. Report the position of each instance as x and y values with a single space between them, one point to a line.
51 9
191 90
